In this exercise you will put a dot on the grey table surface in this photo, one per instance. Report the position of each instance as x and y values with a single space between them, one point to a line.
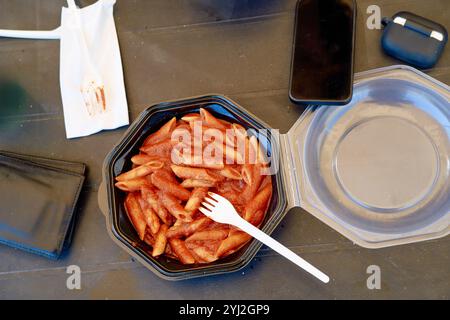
173 49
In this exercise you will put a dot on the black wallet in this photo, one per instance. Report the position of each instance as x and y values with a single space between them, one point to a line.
38 197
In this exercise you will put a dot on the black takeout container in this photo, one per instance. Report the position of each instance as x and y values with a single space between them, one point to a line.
118 160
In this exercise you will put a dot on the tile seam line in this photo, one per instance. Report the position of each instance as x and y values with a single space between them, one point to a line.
251 94
58 115
206 23
134 265
106 266
94 268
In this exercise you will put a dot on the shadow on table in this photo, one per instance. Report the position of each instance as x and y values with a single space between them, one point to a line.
14 103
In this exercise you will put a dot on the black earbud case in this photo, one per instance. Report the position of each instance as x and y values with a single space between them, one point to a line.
414 39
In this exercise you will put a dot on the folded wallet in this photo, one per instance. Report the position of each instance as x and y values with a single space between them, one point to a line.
38 198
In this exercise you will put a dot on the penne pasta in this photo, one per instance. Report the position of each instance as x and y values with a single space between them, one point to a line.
211 246
259 203
233 197
169 252
187 229
182 126
257 218
142 158
247 174
236 138
151 218
233 242
209 235
133 185
174 207
256 155
255 182
231 173
135 214
168 186
161 149
141 171
181 251
210 120
167 174
192 183
233 156
266 181
162 134
225 187
191 117
148 239
237 186
226 123
194 202
239 132
195 173
201 253
199 162
152 199
197 128
160 241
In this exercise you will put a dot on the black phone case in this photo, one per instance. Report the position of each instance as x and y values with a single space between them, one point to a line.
324 102
412 42
39 197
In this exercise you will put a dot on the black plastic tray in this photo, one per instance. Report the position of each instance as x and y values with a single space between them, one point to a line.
118 161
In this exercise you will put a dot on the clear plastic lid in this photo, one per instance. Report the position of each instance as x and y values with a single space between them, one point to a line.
377 169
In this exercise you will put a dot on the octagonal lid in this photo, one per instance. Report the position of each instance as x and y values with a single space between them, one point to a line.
377 169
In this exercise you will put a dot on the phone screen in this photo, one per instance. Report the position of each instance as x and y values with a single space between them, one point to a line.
322 66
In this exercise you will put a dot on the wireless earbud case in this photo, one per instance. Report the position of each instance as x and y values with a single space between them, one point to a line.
414 39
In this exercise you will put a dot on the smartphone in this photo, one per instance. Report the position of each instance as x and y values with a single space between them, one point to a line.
323 52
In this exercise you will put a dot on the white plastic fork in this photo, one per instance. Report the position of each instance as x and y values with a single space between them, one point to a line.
28 34
221 210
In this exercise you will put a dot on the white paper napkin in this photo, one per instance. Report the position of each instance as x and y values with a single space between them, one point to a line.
97 23
101 39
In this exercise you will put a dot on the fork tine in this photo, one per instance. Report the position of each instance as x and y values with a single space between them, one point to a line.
204 211
211 201
216 196
208 206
